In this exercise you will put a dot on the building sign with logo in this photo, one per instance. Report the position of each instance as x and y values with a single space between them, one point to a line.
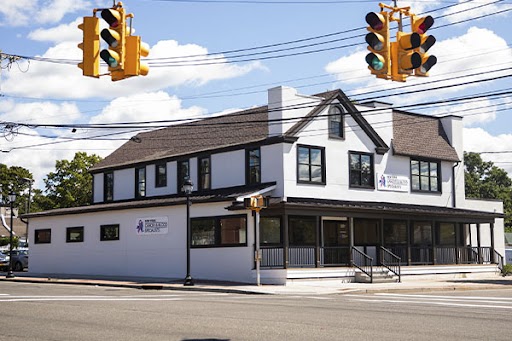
154 225
388 182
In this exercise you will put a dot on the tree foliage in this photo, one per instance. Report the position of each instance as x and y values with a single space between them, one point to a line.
70 185
486 181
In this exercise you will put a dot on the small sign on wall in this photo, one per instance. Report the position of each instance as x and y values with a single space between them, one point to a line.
388 182
153 225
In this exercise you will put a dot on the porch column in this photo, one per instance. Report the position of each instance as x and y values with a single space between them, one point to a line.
351 237
457 237
409 241
379 253
317 241
286 241
434 253
491 225
479 246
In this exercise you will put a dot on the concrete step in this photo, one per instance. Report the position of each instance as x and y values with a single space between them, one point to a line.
379 276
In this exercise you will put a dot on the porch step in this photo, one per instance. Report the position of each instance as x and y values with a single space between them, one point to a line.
379 276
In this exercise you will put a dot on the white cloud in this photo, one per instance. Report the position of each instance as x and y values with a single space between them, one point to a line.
24 12
479 140
58 34
468 10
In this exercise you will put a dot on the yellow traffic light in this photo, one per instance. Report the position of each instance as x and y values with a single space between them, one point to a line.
420 25
379 61
90 46
135 49
115 37
407 59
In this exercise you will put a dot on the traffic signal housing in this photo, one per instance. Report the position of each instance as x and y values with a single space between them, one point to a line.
135 49
421 25
90 46
407 59
115 37
379 58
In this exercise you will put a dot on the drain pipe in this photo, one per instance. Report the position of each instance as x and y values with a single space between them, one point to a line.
454 187
4 224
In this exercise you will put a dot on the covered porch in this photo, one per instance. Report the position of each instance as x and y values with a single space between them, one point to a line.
317 233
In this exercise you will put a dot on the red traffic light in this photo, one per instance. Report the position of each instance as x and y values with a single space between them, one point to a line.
423 24
375 20
112 17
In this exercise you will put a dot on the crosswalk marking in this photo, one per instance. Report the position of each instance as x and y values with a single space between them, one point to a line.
453 301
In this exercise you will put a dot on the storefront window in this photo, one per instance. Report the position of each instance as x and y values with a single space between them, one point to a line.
366 232
233 231
219 231
335 233
270 230
445 234
422 233
302 231
203 231
395 232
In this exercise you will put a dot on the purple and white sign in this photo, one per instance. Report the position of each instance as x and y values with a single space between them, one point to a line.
150 226
387 182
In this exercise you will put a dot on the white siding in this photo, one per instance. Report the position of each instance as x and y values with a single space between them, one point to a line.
98 187
124 184
228 169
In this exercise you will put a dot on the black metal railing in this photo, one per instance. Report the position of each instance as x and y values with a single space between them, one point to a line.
301 256
363 262
272 257
335 256
498 259
421 255
391 262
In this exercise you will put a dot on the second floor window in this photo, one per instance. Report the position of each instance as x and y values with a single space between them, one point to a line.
140 182
108 186
361 170
425 176
336 122
204 173
183 173
253 166
311 164
160 175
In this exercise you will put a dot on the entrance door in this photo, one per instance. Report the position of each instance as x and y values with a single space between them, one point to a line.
367 237
335 242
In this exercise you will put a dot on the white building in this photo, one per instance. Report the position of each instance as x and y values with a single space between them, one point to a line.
346 182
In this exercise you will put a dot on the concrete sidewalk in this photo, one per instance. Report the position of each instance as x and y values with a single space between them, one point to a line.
296 287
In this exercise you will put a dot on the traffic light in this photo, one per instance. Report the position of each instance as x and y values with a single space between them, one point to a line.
135 49
115 37
90 46
407 59
379 61
420 25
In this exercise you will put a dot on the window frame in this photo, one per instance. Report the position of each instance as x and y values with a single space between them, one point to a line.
340 124
429 176
249 167
372 170
201 184
103 237
37 238
79 229
181 177
323 164
160 178
217 231
140 182
108 186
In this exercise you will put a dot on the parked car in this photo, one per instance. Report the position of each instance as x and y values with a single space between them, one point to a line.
19 260
4 261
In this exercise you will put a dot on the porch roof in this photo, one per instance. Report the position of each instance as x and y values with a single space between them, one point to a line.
353 208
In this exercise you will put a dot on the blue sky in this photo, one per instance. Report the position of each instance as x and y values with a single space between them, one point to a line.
470 51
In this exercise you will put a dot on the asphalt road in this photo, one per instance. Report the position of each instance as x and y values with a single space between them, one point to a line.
69 312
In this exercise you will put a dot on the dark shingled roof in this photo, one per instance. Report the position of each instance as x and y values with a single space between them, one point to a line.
421 136
216 132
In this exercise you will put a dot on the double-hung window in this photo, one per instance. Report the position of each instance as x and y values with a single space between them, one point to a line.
183 173
204 173
361 170
336 122
161 174
140 182
108 186
253 166
310 164
425 176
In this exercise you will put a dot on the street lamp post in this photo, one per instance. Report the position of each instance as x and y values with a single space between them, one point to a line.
12 198
187 189
30 182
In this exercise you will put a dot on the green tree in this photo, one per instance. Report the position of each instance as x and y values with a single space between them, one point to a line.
71 184
15 179
486 181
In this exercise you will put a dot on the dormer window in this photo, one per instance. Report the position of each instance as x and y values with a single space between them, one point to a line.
336 122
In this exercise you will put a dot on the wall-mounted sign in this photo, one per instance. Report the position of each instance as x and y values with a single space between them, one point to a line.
388 182
149 226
